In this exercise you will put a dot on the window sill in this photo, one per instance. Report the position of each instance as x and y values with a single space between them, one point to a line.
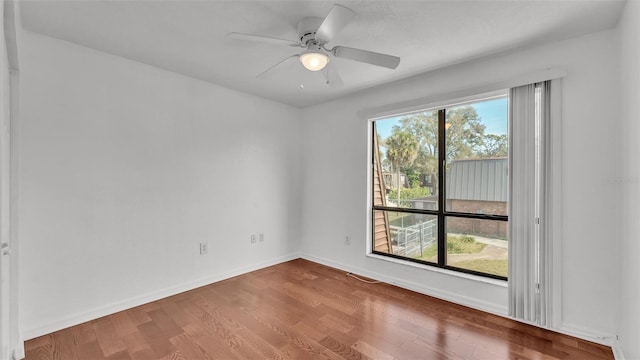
486 280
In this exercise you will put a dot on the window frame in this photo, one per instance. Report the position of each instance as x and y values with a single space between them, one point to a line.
441 213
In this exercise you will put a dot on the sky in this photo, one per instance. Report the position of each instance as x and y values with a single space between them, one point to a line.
492 113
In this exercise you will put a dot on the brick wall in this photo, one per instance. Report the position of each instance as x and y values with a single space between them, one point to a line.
486 228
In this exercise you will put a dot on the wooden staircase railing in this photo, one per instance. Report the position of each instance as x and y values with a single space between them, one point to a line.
381 232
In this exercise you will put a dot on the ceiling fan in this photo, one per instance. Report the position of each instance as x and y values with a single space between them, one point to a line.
313 35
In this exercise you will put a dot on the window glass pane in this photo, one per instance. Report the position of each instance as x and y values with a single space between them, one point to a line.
406 160
405 234
479 245
477 157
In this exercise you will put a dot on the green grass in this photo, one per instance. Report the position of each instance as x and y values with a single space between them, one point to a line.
462 244
429 253
465 244
495 267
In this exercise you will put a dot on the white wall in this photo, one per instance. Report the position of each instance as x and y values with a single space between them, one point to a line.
629 181
125 168
335 179
5 219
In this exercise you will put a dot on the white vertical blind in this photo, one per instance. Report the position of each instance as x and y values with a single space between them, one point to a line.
530 257
522 274
547 201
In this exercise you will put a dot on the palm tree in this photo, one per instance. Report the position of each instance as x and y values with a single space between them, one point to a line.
402 150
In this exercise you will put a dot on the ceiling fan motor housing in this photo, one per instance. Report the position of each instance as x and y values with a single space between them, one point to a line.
307 28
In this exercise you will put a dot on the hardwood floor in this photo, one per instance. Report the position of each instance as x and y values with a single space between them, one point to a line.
303 310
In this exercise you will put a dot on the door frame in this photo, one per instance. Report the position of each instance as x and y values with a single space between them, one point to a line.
11 344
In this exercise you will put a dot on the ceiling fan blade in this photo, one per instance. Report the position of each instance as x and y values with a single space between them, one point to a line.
332 77
339 16
261 75
264 39
365 56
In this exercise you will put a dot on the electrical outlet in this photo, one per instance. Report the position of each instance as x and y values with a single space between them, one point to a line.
253 238
347 240
261 237
204 248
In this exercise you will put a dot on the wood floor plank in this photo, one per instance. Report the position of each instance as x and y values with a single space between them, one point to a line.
165 323
107 337
122 355
83 333
43 352
90 350
212 346
303 310
343 350
371 351
122 324
188 348
143 354
156 339
136 343
174 310
138 316
214 327
64 345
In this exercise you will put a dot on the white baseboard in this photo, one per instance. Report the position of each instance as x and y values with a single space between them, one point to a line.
617 350
99 312
409 285
585 333
588 334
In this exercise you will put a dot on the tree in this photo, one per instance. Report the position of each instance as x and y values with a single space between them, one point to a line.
463 137
384 161
494 146
402 150
464 132
424 127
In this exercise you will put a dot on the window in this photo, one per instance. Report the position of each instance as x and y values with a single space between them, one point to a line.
440 186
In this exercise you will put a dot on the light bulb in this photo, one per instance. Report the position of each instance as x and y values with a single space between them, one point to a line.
314 61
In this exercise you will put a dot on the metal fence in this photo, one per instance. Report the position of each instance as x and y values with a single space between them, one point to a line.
411 241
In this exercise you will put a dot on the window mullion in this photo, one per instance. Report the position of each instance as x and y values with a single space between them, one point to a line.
442 246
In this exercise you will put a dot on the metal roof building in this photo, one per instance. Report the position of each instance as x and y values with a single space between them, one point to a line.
478 179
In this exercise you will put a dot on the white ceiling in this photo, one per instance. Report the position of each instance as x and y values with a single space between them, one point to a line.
189 37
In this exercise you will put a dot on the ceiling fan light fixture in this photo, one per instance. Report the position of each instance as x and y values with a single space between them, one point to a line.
314 61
